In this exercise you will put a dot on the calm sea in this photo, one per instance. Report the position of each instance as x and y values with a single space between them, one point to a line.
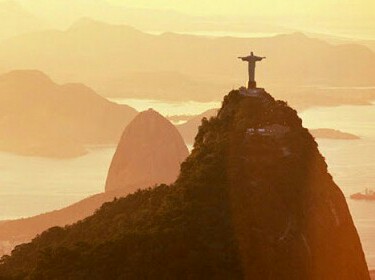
30 186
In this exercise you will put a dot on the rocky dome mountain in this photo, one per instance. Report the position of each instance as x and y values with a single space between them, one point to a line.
254 200
150 151
39 117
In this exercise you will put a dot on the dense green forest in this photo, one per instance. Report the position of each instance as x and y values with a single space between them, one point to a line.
244 207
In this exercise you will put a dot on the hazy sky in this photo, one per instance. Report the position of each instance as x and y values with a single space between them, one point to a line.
266 7
351 17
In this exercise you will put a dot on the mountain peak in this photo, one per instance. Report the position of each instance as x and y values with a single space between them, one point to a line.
27 76
150 152
150 115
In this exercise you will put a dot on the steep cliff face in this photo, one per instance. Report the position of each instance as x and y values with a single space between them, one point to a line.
150 152
290 218
254 200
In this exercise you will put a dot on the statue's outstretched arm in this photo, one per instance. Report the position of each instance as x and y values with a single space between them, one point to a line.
258 58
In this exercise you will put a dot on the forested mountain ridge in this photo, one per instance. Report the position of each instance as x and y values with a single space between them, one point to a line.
254 200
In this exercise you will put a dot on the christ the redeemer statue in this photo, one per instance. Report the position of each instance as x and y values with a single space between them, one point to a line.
252 59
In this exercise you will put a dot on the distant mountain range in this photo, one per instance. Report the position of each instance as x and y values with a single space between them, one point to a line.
62 13
41 118
104 56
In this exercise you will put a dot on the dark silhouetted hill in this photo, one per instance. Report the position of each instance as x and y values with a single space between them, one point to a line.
41 118
156 160
254 200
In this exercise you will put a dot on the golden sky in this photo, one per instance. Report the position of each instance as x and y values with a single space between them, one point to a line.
349 18
356 18
267 7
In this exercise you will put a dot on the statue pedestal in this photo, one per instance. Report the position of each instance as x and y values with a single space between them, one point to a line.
251 84
252 92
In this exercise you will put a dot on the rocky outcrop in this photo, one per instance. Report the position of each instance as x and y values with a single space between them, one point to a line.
150 152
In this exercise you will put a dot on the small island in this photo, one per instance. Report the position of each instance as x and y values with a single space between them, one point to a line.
367 195
328 133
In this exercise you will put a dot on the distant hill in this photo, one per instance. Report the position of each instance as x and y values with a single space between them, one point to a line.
328 133
150 150
41 118
82 53
254 200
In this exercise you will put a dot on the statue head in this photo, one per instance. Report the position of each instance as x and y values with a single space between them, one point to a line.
252 54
